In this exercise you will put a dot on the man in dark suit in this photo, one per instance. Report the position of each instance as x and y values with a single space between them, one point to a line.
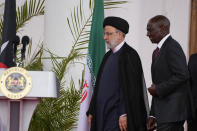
119 99
170 77
192 65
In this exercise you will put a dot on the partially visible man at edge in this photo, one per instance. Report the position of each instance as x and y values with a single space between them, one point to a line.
192 66
171 103
119 101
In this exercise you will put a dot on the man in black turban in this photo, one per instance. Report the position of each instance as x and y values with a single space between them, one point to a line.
119 101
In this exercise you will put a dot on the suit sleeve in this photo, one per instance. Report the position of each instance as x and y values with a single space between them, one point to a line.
177 68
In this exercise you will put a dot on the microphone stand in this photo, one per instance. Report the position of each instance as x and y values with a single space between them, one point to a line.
16 42
25 42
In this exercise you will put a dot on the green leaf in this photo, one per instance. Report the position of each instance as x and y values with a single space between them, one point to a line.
25 13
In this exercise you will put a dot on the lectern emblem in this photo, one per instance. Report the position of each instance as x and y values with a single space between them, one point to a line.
15 83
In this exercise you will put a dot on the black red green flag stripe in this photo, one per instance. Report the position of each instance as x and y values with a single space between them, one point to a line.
8 34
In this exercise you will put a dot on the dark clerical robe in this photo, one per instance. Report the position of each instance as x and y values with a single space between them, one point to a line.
110 103
127 74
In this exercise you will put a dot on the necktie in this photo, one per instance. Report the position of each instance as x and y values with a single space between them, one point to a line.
156 52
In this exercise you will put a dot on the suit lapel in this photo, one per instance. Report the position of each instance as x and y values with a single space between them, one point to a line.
161 52
162 49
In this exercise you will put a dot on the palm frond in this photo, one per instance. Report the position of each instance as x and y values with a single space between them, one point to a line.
79 25
60 67
25 13
29 10
34 62
57 114
110 4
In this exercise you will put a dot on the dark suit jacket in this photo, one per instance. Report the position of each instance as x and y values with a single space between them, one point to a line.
192 65
170 75
131 81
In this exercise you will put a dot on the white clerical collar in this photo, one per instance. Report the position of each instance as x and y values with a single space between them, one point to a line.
159 45
117 48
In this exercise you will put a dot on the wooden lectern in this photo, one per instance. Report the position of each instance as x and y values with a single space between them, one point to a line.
44 84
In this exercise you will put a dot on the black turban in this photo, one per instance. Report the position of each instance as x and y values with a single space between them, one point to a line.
117 22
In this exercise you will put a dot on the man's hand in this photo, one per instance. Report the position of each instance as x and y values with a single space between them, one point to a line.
90 119
151 124
123 123
152 90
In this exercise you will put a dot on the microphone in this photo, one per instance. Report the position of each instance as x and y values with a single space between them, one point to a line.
25 42
16 42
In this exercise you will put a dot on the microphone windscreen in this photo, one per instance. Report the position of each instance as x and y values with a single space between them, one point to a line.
16 40
25 40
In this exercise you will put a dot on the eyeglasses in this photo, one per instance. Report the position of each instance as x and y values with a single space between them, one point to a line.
109 33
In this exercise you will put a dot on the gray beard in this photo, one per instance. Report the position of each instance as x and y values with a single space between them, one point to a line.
112 45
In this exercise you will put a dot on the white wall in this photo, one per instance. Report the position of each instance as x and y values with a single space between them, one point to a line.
136 12
58 38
